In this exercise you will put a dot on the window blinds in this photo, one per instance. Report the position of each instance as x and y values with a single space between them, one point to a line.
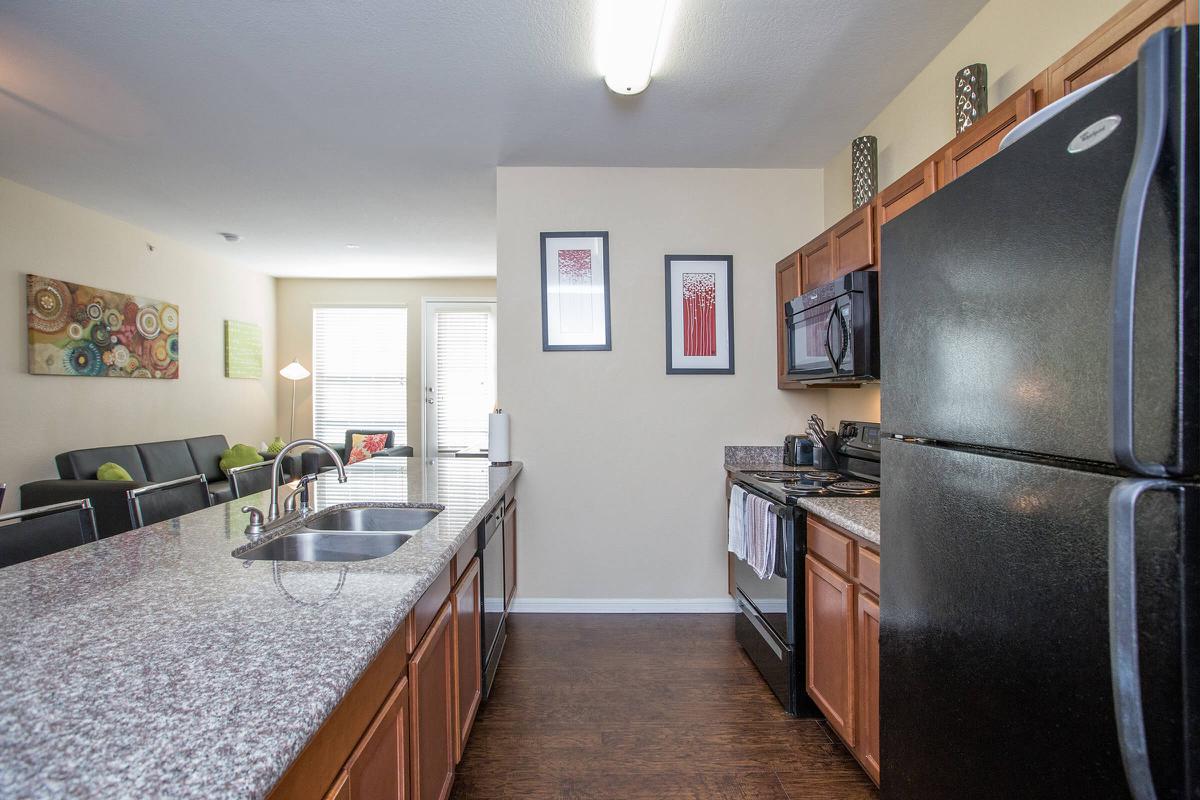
359 371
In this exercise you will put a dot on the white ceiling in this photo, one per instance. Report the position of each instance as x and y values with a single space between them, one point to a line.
307 124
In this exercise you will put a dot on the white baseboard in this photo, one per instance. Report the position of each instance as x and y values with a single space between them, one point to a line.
603 605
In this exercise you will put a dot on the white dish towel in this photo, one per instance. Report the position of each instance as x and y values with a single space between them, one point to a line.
760 524
737 522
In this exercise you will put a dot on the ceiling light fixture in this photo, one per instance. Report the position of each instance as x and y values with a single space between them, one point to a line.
630 35
230 237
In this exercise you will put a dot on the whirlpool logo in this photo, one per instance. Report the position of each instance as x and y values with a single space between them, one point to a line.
1093 134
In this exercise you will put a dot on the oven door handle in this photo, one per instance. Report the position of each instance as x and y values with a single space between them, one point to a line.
767 636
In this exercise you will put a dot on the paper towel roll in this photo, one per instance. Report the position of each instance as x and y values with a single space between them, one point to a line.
498 438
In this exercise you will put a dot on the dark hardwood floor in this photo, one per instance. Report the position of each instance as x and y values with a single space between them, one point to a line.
643 707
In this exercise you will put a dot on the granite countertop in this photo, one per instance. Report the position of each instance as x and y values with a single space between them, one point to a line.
859 515
154 663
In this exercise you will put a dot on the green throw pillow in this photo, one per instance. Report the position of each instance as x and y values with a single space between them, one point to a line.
112 472
239 456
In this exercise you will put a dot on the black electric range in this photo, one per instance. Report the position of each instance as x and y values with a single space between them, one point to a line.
857 474
770 625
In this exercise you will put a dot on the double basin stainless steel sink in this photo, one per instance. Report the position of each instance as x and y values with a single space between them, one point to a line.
345 533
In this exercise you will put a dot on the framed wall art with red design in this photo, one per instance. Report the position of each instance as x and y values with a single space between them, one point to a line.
96 333
575 307
699 293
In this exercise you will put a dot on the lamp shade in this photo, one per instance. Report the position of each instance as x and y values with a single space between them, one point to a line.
295 371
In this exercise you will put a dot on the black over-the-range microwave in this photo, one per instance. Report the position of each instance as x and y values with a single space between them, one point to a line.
833 331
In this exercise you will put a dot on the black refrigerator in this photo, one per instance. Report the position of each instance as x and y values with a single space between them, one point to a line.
1041 402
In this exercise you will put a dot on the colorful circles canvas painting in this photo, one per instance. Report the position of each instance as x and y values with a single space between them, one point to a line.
94 333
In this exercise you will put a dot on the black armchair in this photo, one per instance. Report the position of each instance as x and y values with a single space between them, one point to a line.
314 461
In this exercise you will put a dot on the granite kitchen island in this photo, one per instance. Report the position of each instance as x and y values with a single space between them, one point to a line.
154 663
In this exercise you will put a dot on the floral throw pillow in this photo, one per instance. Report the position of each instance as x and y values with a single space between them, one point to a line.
363 447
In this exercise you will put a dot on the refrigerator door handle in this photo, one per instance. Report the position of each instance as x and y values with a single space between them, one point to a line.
1123 629
1153 104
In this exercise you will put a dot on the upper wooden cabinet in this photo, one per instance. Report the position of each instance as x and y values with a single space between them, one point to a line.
816 262
981 141
906 191
853 242
787 287
1115 45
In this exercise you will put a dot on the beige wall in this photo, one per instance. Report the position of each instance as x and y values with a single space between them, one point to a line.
47 414
295 301
1017 39
623 491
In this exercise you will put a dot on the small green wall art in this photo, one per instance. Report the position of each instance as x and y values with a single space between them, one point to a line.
87 332
243 350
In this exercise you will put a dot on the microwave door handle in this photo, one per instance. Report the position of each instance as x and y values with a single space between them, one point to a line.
843 336
1153 89
829 335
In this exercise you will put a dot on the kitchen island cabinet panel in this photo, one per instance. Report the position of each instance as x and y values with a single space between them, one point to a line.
378 769
468 655
431 682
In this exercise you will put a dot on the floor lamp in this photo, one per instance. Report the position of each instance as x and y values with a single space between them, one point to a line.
294 371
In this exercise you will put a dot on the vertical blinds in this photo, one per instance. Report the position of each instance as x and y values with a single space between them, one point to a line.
359 371
465 380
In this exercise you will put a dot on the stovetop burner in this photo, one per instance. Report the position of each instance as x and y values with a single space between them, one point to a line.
779 477
800 475
824 476
855 488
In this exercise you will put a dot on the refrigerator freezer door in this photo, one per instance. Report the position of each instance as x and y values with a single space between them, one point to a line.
995 677
998 303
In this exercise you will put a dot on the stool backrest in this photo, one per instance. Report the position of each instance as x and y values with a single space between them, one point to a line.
36 532
251 478
167 500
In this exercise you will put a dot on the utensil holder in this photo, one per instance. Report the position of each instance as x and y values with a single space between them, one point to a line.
822 459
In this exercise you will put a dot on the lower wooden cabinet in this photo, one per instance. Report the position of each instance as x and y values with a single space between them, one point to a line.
867 678
842 638
378 768
468 655
829 610
431 708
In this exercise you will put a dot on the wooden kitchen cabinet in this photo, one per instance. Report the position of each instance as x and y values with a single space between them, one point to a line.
431 710
982 140
816 262
842 637
1115 44
867 683
468 655
905 192
340 789
829 620
788 286
853 242
378 768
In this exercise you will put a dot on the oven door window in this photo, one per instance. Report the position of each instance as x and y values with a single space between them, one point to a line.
809 334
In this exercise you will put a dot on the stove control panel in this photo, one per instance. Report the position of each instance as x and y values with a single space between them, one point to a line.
859 436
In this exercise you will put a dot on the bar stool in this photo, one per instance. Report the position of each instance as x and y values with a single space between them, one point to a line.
36 532
251 478
167 500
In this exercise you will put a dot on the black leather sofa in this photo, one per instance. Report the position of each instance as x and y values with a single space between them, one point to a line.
313 461
152 462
